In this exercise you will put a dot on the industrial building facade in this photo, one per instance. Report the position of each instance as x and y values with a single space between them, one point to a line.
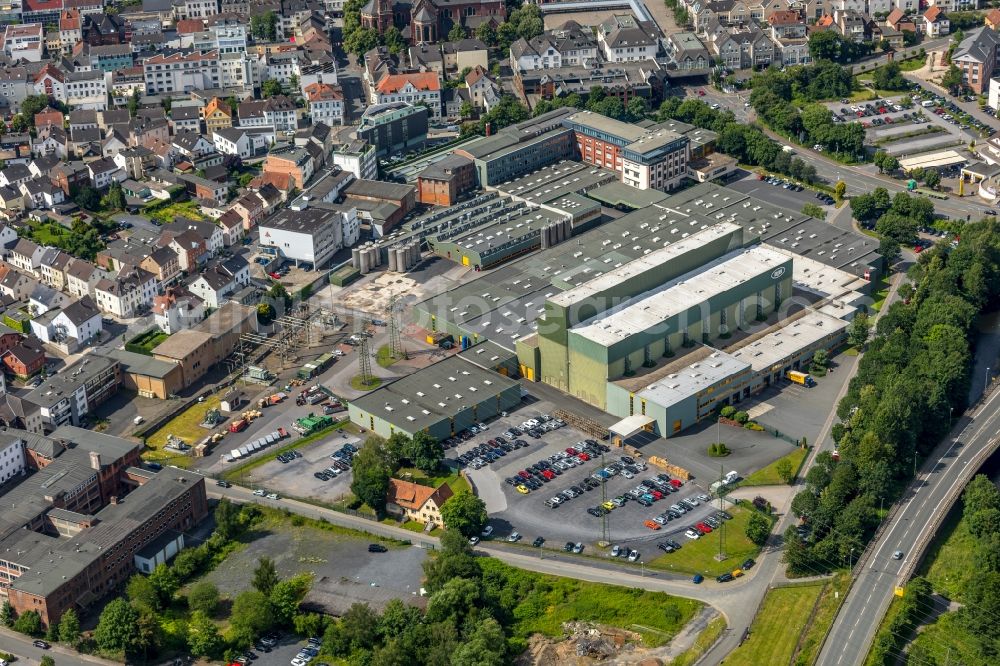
441 400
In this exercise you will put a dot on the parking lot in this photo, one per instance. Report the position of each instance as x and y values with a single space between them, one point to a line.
297 477
774 190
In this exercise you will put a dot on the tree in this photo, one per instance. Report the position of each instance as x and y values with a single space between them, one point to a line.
133 103
825 45
464 513
371 476
857 332
264 26
117 629
359 627
47 661
285 599
396 618
265 576
484 645
7 614
457 33
251 615
454 560
265 313
890 77
424 452
69 628
88 198
932 179
820 358
310 624
204 597
270 88
165 582
393 40
141 592
813 210
115 197
361 41
637 108
839 190
885 162
467 110
29 622
952 79
203 637
486 34
784 469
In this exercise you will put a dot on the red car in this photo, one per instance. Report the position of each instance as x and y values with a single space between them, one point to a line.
547 473
918 249
583 456
701 93
676 483
570 450
275 276
657 494
524 474
703 528
882 109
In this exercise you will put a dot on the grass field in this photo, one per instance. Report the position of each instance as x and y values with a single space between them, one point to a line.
879 292
768 476
912 64
184 425
698 556
165 214
948 562
826 610
776 629
384 356
147 341
549 601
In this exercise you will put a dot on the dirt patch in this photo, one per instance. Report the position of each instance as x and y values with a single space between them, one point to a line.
584 643
374 296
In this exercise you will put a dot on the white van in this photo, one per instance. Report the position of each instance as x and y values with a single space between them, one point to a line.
927 103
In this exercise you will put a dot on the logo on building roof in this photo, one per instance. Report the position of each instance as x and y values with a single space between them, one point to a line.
777 272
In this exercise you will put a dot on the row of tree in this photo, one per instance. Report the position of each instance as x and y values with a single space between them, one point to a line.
914 375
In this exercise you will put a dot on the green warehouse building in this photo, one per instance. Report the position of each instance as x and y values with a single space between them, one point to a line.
441 400
695 290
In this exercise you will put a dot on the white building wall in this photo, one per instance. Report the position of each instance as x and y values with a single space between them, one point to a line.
12 463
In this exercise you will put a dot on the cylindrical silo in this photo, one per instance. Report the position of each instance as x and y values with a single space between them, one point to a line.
364 263
414 254
402 262
392 260
372 258
560 237
543 234
568 228
356 257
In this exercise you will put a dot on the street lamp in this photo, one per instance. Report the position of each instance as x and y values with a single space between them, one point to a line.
987 384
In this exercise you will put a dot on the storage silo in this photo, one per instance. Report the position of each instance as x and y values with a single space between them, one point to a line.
356 257
402 260
392 260
364 262
543 235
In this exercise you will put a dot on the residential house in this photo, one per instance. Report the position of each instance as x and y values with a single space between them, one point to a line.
103 172
126 294
417 503
411 88
25 359
296 163
326 103
623 38
16 285
52 267
189 248
464 53
217 115
209 232
26 256
185 118
278 112
71 327
936 24
163 262
51 140
177 309
687 51
243 142
219 279
81 276
40 193
232 227
192 144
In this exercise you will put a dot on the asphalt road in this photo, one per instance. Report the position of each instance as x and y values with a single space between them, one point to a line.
27 653
863 609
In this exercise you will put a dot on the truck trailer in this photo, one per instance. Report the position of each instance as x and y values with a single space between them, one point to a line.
803 378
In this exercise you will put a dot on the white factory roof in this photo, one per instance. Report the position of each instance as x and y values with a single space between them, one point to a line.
784 343
693 379
655 258
820 278
651 309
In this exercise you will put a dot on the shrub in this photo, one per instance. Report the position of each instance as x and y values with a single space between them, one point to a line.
741 417
727 412
718 450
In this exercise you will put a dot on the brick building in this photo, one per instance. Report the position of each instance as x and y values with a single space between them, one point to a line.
442 183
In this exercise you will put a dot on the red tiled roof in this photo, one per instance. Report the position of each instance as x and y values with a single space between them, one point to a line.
933 13
421 81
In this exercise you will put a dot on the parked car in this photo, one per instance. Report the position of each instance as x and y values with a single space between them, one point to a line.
377 548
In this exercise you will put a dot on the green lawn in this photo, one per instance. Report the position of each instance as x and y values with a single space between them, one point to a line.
768 476
776 629
358 385
911 64
144 343
453 479
165 213
880 291
549 601
698 556
384 356
945 641
186 426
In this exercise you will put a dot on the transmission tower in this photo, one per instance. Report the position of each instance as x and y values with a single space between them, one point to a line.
364 357
395 342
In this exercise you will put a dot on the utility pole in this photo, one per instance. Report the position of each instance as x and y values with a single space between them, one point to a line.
364 357
395 343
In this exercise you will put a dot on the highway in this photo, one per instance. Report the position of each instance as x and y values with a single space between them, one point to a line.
936 487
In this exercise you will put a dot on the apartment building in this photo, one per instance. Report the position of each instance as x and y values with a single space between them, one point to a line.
182 71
